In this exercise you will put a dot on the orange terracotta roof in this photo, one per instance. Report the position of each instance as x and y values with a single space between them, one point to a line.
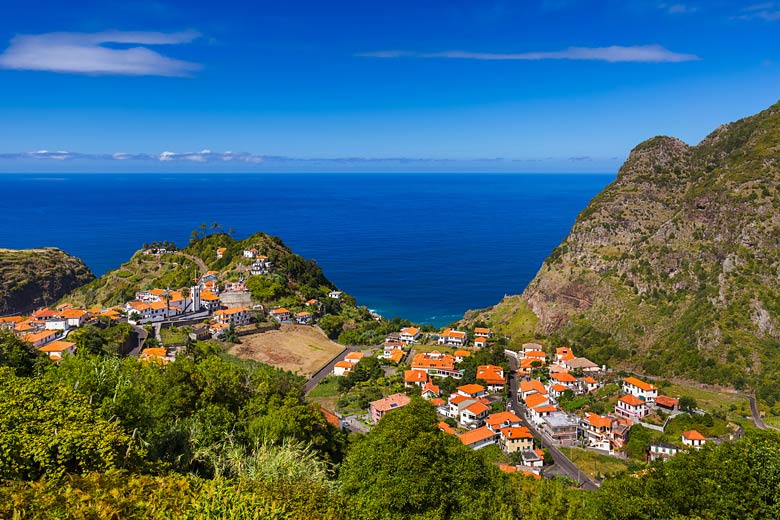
302 314
546 409
632 400
11 319
396 355
501 418
449 333
228 312
208 296
461 353
599 421
391 402
415 376
669 402
477 408
23 326
531 474
517 432
458 398
37 336
446 428
535 354
693 435
280 310
355 355
564 377
590 380
420 360
533 384
430 387
559 387
528 362
331 417
471 389
73 313
154 352
57 346
343 364
412 331
534 400
474 436
506 468
438 401
481 330
647 387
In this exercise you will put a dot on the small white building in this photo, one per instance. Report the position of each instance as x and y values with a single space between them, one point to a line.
694 439
409 335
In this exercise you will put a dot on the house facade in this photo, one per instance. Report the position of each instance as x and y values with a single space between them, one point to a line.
645 391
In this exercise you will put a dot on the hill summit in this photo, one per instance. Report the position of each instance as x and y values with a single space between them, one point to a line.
674 268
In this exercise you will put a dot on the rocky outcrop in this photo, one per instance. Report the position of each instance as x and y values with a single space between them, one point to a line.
34 278
677 262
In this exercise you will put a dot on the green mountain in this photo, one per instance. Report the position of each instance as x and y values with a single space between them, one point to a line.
674 268
33 278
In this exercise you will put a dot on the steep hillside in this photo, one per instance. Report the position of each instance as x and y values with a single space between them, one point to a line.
179 268
36 277
673 268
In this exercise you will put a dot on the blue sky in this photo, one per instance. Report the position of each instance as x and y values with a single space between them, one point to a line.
527 86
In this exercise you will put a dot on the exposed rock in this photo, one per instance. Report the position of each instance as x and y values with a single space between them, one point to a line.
37 277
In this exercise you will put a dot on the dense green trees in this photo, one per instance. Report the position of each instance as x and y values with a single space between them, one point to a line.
733 481
50 430
19 355
407 468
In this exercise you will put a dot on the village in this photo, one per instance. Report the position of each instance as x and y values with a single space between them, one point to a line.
522 408
523 403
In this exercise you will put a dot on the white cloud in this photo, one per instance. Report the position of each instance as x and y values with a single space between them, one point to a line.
87 53
678 8
612 54
768 11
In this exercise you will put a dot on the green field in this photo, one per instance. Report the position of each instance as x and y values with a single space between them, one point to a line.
326 393
710 400
593 464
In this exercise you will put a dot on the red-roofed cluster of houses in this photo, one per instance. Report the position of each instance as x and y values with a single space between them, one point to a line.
46 329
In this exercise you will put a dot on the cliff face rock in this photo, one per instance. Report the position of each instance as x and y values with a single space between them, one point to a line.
675 265
34 278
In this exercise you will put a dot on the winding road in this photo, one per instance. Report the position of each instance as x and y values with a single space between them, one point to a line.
563 463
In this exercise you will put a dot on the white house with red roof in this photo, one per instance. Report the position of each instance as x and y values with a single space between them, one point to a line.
482 332
631 407
478 438
480 342
342 368
453 338
281 314
474 414
493 376
409 335
647 392
694 439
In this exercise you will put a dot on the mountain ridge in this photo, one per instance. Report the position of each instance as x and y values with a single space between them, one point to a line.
674 265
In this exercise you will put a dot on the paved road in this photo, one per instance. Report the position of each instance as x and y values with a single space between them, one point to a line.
318 376
566 466
757 420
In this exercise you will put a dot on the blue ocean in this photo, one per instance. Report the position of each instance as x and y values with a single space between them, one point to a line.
425 247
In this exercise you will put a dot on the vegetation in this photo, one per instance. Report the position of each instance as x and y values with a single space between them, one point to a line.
672 268
37 277
209 436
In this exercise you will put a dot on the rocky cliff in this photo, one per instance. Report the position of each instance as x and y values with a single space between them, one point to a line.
674 268
36 277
